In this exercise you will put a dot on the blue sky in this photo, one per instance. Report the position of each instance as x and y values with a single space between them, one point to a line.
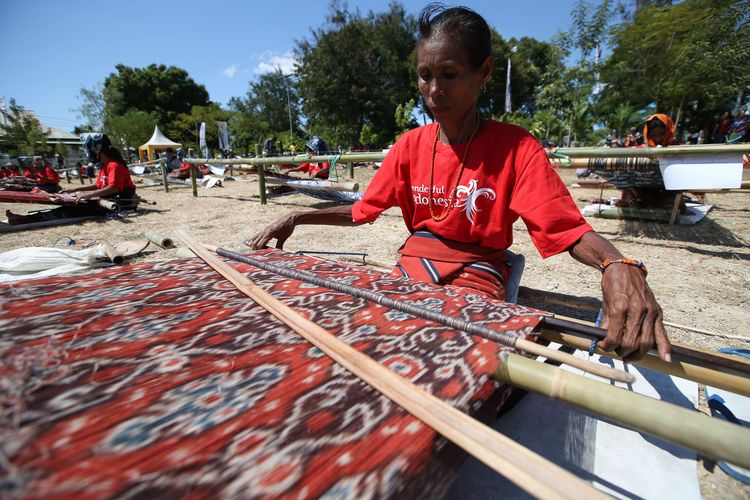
50 48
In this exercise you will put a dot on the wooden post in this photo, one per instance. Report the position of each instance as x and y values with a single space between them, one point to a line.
193 181
351 170
80 176
675 208
163 166
261 177
67 176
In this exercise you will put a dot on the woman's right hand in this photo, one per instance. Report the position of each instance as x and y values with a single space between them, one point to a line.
282 229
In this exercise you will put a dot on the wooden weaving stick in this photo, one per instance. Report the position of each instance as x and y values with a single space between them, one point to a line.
731 381
529 471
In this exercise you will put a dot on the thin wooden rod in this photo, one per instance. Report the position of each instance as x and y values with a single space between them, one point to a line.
592 304
711 437
701 374
428 314
679 352
529 471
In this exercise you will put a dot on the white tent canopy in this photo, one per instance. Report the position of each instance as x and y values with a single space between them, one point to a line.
158 142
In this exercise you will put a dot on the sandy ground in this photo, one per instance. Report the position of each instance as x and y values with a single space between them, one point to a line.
699 273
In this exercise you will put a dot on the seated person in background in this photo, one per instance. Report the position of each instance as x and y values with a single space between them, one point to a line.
113 183
693 135
315 146
172 162
721 130
658 132
7 170
44 175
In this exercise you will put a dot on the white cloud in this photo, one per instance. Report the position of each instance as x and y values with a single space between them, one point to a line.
271 62
231 70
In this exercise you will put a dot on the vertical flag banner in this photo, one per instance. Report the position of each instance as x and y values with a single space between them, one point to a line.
223 136
203 146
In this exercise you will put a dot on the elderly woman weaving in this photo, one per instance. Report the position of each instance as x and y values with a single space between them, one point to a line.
462 181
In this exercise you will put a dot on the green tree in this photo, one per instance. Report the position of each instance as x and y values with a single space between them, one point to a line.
165 91
274 100
404 118
23 134
186 127
92 108
357 70
689 58
131 129
245 126
368 136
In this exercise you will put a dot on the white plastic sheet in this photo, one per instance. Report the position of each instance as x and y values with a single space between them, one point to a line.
41 262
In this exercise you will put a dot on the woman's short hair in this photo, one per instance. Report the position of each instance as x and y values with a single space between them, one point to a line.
461 24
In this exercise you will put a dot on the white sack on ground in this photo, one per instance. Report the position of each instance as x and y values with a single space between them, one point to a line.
40 262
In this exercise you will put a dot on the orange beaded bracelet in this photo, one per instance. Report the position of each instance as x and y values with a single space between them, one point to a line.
630 262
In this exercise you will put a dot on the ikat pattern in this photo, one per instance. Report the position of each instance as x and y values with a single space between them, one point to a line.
161 379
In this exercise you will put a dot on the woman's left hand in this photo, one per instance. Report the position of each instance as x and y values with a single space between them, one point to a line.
82 196
632 317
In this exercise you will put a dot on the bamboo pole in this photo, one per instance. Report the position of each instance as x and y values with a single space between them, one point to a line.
261 177
653 152
193 181
430 315
710 437
13 228
158 239
571 152
114 256
529 471
108 204
163 166
703 375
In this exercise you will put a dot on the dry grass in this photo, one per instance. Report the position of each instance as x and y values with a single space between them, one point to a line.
700 273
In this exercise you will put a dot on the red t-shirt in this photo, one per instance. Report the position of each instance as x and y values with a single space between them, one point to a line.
507 175
313 168
114 174
48 175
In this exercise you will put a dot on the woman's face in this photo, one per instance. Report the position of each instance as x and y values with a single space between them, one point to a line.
449 84
658 135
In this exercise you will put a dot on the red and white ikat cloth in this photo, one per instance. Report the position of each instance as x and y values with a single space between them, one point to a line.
160 379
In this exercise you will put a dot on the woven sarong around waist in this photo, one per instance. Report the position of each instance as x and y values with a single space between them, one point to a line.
429 258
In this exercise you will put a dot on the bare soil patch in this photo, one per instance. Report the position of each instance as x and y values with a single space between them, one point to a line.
700 274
